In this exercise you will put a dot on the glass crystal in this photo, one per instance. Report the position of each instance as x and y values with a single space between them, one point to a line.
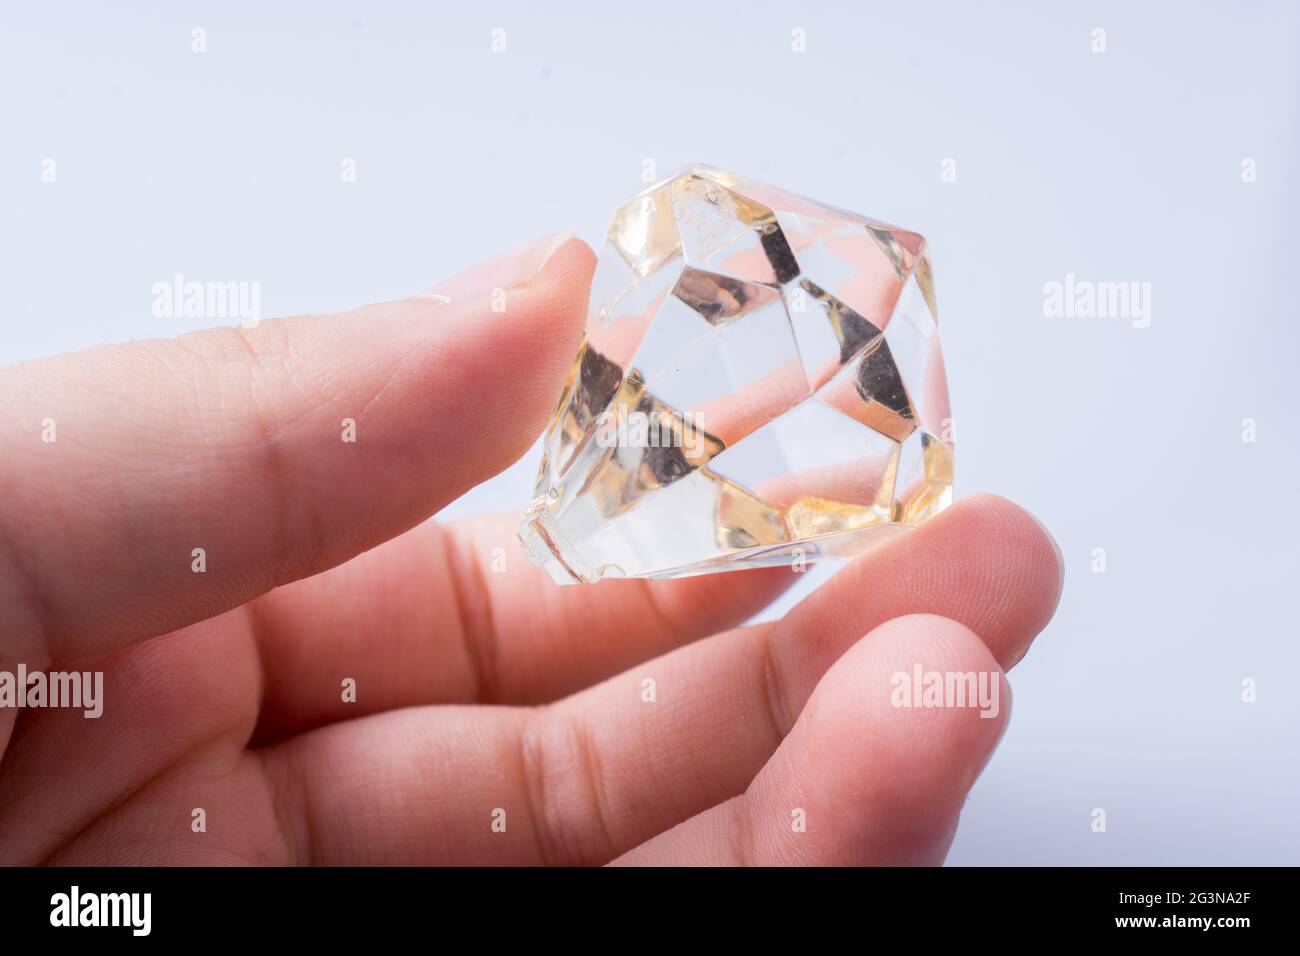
760 383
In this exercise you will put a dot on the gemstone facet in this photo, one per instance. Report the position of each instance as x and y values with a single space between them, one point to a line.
760 383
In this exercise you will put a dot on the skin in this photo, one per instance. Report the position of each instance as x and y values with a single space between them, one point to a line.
476 690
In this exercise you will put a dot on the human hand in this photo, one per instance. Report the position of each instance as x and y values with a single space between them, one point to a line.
481 697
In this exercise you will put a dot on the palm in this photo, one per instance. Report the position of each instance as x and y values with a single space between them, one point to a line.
496 718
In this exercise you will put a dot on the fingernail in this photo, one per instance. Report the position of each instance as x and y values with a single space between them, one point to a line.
507 271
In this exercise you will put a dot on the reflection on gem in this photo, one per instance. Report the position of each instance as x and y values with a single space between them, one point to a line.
761 382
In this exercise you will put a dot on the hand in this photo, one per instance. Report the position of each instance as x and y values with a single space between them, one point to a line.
480 697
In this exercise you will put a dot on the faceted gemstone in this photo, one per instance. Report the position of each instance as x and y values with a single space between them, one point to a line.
760 383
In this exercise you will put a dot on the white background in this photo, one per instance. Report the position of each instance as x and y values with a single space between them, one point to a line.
1122 165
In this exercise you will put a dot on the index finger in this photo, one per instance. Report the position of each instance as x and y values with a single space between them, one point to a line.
180 478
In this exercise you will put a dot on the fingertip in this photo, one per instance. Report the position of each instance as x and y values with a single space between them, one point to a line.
902 726
1060 561
1011 546
489 349
524 265
916 646
570 263
538 344
1018 526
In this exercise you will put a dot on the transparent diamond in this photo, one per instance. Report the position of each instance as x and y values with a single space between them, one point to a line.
761 382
